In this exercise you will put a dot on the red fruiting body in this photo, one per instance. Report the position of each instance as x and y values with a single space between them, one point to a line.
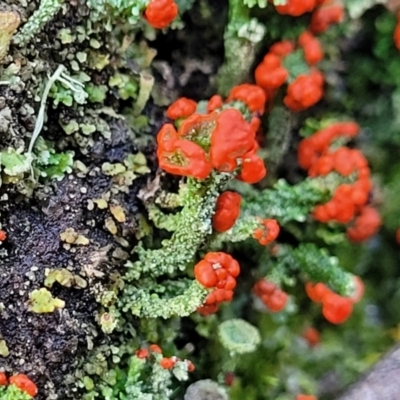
229 378
305 397
217 270
304 91
190 366
253 168
205 274
270 74
296 7
198 127
227 211
166 137
3 379
325 16
253 96
160 13
231 139
349 201
317 292
181 108
214 103
142 353
282 48
264 287
396 35
271 295
155 348
268 233
312 48
167 363
208 309
224 141
184 158
3 235
311 335
276 301
23 383
365 225
336 309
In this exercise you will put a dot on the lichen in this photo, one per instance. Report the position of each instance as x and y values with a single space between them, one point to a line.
9 23
41 301
238 336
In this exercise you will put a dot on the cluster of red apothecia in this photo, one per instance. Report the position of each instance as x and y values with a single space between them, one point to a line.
306 89
227 211
335 308
21 381
274 298
165 362
324 12
268 231
217 271
160 13
220 140
349 202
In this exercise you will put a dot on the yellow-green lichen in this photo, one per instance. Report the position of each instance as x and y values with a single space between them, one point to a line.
42 301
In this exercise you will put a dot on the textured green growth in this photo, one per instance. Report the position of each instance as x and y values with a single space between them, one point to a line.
134 382
238 336
41 301
242 230
14 163
242 35
314 264
50 164
291 202
319 266
11 392
141 294
9 22
193 226
46 11
131 10
127 85
146 302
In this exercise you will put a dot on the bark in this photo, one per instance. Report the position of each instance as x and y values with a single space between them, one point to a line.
380 383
